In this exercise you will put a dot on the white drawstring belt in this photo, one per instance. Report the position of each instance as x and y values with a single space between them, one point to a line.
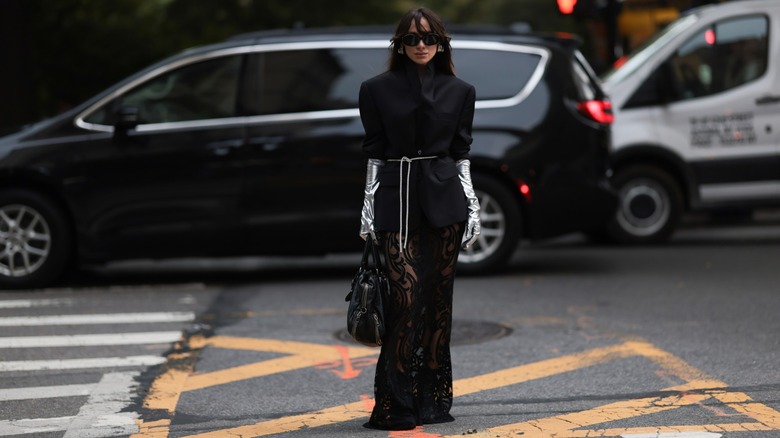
403 231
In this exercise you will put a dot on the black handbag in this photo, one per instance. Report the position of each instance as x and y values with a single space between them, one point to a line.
365 316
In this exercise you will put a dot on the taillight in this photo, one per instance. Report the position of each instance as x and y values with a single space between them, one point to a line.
598 110
525 190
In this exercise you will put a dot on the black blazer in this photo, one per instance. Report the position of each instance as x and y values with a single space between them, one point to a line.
405 117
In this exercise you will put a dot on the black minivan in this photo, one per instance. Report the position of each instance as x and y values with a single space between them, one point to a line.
253 147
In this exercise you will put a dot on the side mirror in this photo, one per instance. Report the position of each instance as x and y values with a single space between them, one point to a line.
127 118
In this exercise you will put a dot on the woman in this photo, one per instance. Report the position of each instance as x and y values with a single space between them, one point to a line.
421 208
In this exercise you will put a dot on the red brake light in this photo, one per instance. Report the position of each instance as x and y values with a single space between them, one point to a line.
566 6
709 36
598 110
620 61
525 190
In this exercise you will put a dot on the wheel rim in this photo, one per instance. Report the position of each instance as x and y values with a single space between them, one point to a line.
493 230
644 207
27 240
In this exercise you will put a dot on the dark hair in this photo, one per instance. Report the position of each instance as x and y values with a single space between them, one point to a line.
442 60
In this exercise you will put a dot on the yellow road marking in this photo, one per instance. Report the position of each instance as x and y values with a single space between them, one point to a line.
152 429
667 361
538 370
306 354
166 389
351 411
325 417
164 394
743 404
562 425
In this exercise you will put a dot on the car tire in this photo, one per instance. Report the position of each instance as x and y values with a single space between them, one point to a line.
501 228
36 240
650 206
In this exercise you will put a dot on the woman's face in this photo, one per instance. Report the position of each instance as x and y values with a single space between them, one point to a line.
420 54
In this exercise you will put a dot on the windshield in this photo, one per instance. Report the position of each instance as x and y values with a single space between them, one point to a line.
650 47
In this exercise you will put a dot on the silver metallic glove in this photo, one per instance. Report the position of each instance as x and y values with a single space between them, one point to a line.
473 226
372 183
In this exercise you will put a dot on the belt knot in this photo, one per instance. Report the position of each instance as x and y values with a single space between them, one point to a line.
403 227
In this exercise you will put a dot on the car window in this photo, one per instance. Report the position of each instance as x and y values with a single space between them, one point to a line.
328 79
496 74
198 91
720 57
316 80
640 56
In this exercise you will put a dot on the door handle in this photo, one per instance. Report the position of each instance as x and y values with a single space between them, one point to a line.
222 148
766 100
267 143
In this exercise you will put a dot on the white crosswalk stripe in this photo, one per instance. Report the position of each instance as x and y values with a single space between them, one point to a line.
103 412
19 304
73 364
115 318
89 340
106 404
28 426
30 393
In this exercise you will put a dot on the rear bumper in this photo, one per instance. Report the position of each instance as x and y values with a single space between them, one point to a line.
570 205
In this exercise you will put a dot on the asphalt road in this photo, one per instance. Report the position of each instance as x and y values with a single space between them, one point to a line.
573 340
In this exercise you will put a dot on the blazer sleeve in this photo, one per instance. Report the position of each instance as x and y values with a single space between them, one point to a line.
461 144
375 140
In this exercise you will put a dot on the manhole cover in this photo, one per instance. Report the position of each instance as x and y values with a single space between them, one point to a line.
463 332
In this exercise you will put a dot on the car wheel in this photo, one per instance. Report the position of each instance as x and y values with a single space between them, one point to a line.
501 224
650 205
35 240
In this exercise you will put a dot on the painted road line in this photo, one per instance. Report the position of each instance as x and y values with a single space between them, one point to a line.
103 318
90 340
510 376
102 416
324 417
38 392
166 389
541 369
152 429
73 364
104 413
698 387
743 404
25 304
33 425
565 425
304 355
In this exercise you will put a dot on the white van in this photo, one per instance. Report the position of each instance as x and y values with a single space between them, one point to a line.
697 119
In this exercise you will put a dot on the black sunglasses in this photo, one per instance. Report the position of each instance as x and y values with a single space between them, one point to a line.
411 39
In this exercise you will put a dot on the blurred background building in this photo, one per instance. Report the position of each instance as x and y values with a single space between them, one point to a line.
617 27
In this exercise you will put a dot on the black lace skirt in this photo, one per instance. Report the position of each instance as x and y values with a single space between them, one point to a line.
413 383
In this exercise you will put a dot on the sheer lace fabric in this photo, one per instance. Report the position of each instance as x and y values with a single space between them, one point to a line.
413 382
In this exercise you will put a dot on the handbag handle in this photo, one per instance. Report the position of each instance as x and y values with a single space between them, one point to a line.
370 249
